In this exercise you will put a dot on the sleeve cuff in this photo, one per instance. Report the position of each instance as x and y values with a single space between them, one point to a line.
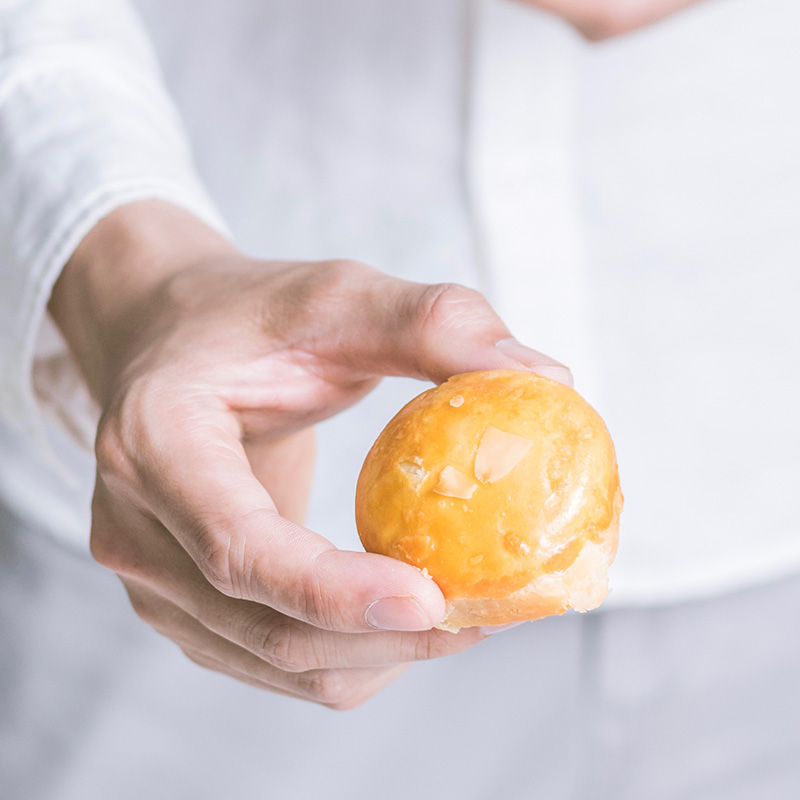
79 137
48 381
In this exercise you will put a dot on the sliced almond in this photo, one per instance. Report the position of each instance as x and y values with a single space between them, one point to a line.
498 453
414 471
453 483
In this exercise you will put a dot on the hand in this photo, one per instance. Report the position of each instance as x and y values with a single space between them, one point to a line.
210 368
602 19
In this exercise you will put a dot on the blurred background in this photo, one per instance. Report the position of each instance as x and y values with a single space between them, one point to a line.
629 206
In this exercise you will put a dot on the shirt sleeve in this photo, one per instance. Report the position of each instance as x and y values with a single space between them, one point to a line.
86 126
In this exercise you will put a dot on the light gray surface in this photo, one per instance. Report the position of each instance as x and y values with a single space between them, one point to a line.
694 702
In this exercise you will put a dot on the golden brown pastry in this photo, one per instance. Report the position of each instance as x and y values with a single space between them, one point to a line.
503 486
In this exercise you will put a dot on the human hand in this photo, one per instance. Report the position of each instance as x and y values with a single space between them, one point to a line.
210 368
602 19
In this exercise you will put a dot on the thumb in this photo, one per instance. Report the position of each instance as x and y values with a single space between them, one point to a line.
429 331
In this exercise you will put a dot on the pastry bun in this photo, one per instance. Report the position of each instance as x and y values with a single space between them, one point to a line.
503 487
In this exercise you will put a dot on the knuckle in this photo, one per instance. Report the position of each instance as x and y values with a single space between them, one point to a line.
219 578
447 305
109 550
230 557
437 644
102 550
329 687
282 646
111 454
425 648
134 431
319 607
213 558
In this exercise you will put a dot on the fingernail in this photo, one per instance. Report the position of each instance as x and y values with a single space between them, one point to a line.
488 630
398 614
535 361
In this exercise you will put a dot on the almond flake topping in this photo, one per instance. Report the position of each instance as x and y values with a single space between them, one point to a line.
414 471
453 483
498 453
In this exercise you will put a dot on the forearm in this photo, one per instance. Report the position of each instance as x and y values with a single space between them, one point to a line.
85 127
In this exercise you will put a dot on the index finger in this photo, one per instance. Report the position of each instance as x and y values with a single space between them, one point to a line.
198 482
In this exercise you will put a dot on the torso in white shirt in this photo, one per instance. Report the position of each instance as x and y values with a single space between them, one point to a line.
631 208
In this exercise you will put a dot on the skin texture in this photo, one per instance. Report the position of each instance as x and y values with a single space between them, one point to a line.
211 369
603 19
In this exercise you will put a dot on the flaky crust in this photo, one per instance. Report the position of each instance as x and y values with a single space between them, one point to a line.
582 587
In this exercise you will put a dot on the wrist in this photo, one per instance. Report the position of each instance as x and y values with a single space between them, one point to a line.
104 296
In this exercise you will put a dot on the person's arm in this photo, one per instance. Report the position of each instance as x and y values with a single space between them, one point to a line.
210 368
85 126
602 19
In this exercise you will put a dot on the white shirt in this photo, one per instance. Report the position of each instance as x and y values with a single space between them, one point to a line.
630 208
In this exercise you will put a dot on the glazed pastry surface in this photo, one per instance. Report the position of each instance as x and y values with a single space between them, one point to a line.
495 482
